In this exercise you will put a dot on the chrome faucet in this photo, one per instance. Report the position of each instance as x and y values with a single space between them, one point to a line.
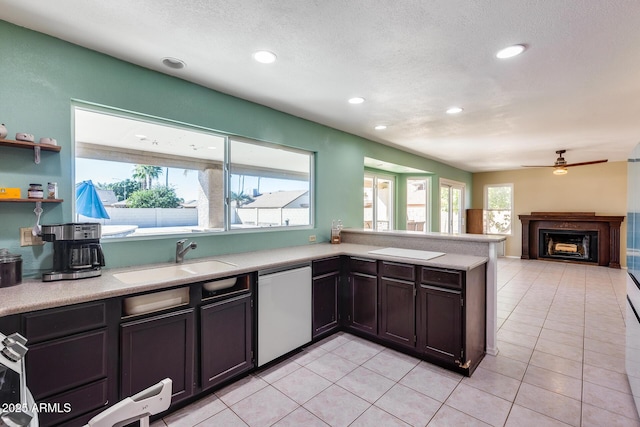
181 250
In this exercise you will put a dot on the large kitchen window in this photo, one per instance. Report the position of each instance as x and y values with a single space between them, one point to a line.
498 206
378 201
153 177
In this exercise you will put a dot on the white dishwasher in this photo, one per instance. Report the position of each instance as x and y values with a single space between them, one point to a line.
284 311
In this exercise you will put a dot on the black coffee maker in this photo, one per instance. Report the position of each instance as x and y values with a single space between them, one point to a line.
77 253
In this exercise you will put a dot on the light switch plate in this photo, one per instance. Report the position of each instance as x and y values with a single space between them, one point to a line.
28 239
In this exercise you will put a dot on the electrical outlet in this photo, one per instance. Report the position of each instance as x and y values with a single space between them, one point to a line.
312 238
28 239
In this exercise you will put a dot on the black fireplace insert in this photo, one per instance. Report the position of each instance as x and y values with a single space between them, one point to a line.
574 245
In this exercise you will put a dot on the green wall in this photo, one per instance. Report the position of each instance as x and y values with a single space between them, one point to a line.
41 75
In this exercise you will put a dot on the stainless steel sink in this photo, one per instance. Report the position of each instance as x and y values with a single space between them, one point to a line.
174 272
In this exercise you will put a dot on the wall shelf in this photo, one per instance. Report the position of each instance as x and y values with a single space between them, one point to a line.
31 200
29 145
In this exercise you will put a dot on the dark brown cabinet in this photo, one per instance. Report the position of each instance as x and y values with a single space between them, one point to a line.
451 316
362 295
397 290
226 340
155 348
71 362
325 295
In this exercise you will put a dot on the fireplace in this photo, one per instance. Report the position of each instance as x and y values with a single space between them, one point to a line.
572 245
572 237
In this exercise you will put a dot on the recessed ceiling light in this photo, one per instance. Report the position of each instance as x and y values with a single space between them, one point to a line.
143 137
211 148
454 110
264 56
174 63
380 127
511 51
356 100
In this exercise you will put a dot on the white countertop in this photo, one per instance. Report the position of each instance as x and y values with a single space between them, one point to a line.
34 294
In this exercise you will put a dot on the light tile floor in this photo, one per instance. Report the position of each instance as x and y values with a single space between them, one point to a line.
561 363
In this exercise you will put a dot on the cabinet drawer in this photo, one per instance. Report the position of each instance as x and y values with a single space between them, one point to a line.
441 276
396 270
75 403
363 265
59 365
55 323
325 266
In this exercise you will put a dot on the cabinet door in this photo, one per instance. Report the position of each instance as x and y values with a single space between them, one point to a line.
440 323
397 311
156 348
226 340
363 303
325 303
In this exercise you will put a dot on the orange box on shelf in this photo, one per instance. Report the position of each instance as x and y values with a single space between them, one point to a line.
9 193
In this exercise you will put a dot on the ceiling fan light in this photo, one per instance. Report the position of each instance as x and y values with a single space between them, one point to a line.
560 171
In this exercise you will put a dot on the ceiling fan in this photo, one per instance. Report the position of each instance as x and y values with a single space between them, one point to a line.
560 165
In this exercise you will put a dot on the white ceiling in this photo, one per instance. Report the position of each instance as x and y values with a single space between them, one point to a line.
577 87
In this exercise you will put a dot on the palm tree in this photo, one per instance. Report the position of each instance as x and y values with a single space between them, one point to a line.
241 198
146 174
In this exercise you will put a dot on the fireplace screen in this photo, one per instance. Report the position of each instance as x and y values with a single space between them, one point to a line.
575 245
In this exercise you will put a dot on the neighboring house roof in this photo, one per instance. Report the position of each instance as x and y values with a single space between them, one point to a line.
278 199
108 197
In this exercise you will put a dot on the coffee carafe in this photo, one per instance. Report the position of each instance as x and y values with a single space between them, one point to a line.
77 253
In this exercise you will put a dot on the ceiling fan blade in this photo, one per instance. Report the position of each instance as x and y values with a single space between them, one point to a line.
585 163
538 166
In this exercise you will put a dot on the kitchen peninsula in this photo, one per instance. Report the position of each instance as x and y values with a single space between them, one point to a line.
482 245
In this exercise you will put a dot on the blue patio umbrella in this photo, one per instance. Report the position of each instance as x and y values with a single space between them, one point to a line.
88 201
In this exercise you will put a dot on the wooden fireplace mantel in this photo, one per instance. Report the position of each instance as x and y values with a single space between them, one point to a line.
607 226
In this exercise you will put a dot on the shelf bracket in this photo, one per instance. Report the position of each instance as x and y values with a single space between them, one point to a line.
36 154
38 212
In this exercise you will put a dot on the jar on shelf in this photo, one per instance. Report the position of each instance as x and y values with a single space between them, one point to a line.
35 191
52 190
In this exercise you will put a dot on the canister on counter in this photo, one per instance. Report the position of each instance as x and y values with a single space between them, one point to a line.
10 268
52 190
35 191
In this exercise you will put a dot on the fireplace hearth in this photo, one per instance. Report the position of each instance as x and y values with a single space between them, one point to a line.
572 237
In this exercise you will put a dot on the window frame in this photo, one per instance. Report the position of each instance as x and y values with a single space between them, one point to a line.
392 213
226 165
428 198
486 189
461 218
